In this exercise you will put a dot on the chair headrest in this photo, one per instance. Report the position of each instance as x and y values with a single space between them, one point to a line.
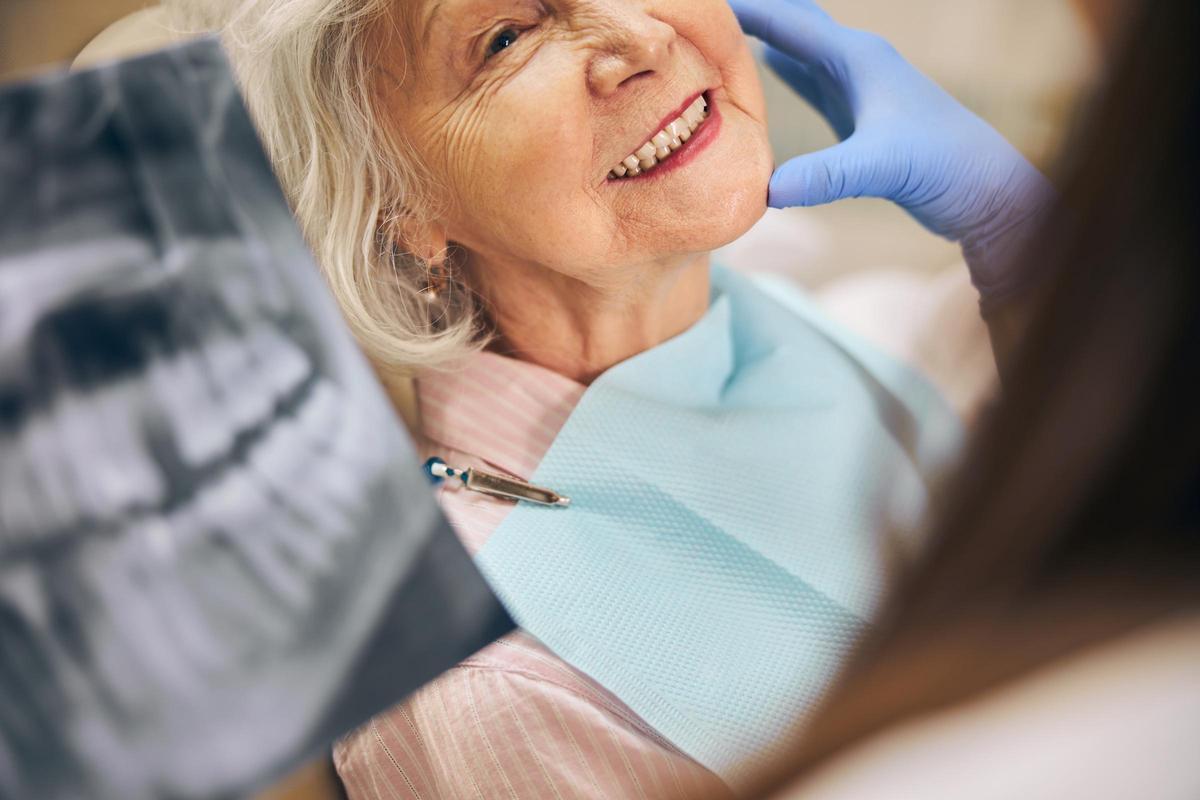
137 33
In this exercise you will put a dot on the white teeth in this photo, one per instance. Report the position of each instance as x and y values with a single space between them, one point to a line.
101 423
232 366
184 394
646 156
20 509
234 508
281 460
663 143
54 479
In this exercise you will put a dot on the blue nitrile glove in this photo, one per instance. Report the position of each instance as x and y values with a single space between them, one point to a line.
903 138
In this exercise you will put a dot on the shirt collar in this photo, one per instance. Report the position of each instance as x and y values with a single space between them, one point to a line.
501 410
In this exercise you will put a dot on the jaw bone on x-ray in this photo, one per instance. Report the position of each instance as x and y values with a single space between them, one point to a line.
217 552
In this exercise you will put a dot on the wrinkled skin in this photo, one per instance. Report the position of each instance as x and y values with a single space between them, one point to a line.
521 108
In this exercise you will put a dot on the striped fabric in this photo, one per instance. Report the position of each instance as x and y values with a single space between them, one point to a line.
513 721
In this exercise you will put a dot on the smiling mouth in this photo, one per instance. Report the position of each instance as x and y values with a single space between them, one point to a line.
665 143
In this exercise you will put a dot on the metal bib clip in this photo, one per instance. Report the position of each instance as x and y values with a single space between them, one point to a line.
493 485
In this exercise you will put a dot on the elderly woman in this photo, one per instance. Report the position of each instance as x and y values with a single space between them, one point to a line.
516 201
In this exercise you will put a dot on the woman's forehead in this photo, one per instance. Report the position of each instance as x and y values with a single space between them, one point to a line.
439 15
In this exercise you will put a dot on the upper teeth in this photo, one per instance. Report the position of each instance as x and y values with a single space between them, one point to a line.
663 143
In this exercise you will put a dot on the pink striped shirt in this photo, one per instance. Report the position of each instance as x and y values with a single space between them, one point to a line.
513 721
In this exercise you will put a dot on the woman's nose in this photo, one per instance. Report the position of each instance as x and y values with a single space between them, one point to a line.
635 44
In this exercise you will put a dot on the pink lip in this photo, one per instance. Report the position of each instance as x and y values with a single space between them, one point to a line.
692 148
674 115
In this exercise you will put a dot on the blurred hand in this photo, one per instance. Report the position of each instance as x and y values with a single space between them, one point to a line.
902 138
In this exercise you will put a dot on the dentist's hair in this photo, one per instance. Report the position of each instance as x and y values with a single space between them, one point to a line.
310 73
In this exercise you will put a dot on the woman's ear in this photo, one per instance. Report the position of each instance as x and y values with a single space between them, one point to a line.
425 239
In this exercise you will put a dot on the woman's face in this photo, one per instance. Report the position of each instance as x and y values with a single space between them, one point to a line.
523 109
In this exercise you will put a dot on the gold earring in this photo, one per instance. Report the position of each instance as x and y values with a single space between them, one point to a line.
437 282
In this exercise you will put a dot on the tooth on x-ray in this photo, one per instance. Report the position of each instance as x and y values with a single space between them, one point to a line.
212 527
336 487
325 421
135 481
225 585
53 475
117 588
281 461
319 416
248 404
235 510
103 423
284 364
149 562
20 510
186 399
319 423
312 552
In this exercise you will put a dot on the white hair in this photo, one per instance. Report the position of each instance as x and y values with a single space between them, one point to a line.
307 70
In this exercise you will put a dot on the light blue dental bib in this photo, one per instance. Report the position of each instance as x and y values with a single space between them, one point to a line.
724 545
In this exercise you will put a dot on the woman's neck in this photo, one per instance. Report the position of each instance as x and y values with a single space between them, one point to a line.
580 329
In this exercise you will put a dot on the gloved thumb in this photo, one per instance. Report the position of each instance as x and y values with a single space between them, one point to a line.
826 176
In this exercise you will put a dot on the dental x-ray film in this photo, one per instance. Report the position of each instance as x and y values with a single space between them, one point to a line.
217 551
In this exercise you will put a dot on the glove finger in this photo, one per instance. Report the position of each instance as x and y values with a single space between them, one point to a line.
817 87
797 27
850 169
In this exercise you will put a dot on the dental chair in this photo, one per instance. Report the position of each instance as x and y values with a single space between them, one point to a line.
140 32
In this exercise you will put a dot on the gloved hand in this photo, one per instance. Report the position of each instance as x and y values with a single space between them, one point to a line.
903 138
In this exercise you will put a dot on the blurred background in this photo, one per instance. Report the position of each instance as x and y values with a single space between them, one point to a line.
1024 65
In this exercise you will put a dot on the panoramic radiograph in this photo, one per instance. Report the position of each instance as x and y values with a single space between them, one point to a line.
217 551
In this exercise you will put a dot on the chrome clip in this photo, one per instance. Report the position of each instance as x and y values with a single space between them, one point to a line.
493 485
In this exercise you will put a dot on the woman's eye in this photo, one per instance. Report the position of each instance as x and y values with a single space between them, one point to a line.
504 40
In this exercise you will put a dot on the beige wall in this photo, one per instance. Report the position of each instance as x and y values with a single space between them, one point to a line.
39 32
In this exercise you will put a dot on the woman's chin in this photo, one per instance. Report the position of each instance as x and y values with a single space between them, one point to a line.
728 207
719 215
725 193
744 208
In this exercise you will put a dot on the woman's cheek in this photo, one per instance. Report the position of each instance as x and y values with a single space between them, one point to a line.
542 150
711 26
529 197
714 30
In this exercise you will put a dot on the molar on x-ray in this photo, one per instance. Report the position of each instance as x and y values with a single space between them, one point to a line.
217 552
